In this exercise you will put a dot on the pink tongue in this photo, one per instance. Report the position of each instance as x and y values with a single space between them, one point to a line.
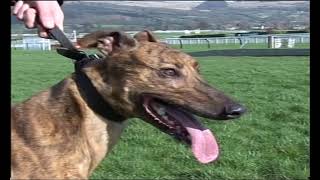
204 145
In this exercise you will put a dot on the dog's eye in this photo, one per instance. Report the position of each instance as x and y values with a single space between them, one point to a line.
169 72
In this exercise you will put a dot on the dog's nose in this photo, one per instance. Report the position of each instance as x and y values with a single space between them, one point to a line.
234 110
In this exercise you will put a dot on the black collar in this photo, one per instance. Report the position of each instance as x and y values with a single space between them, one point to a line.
91 95
87 90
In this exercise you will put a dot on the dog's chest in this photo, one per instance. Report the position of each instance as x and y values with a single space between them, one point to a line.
101 135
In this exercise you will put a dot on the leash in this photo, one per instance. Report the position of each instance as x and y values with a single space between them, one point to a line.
87 90
67 50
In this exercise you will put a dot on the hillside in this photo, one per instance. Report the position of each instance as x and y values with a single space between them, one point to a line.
89 16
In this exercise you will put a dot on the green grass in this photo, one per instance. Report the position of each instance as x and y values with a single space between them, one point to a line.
270 142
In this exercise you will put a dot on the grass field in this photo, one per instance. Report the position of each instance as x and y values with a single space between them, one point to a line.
270 142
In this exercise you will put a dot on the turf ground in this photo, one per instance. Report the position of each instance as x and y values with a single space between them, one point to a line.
270 142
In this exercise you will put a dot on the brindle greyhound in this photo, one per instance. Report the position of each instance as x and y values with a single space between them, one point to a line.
57 135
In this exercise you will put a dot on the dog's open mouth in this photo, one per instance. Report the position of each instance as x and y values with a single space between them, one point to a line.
184 126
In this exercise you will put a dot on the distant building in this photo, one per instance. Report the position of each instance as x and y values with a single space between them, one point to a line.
187 32
262 27
197 31
299 27
232 28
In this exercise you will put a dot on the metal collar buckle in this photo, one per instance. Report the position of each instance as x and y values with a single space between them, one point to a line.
68 50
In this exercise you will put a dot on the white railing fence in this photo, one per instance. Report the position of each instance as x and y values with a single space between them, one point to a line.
33 42
303 38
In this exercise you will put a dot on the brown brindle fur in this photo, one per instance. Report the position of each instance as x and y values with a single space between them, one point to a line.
55 135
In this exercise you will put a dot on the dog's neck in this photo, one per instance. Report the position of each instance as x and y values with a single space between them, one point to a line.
103 129
100 133
90 93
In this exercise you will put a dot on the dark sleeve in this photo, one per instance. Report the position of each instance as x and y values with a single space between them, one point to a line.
60 2
13 2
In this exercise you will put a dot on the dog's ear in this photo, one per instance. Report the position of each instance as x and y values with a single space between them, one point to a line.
106 41
145 36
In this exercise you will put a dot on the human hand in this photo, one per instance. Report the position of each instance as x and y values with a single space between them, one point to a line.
49 15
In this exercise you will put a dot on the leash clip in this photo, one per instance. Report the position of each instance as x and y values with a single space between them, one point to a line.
68 50
80 58
75 55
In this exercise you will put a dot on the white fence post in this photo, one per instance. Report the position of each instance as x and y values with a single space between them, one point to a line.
74 35
49 45
24 44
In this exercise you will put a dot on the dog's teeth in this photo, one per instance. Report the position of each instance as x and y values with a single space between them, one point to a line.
158 120
148 111
162 123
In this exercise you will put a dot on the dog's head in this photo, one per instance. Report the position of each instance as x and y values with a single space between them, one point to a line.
161 85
